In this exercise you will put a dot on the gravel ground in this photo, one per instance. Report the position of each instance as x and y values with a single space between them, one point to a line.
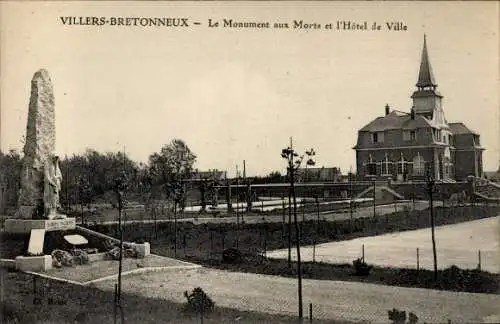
349 301
457 244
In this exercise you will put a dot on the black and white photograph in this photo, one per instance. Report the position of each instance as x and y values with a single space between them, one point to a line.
249 162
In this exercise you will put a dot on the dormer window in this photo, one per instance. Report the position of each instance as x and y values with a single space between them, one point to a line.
378 137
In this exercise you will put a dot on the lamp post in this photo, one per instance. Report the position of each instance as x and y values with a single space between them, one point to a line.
294 161
430 190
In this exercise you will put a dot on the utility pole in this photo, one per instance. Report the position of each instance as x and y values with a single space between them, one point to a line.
237 207
290 213
248 190
350 196
67 177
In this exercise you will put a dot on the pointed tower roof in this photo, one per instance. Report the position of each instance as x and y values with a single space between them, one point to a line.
425 75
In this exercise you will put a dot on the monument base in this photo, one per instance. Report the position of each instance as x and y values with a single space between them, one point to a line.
40 263
24 226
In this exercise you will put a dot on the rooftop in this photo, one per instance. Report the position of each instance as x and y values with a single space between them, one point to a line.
396 120
460 128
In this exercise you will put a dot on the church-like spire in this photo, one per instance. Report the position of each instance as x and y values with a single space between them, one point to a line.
425 75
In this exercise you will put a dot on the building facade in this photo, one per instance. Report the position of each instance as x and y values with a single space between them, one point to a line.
406 146
319 174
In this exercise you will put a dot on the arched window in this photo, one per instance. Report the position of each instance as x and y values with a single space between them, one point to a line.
401 165
418 165
371 166
386 166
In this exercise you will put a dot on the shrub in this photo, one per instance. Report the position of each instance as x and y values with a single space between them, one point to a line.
8 312
399 317
231 255
198 301
361 268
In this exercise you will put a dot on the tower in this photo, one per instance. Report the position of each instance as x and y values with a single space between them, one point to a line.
426 99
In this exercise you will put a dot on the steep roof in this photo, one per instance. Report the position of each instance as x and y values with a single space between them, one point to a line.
425 75
460 128
396 120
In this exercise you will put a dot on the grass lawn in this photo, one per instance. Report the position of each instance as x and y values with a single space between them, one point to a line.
83 304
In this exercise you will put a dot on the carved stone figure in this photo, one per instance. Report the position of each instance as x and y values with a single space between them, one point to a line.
52 187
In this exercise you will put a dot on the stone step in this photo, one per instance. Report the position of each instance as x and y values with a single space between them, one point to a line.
37 238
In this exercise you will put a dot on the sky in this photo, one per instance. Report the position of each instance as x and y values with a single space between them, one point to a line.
235 94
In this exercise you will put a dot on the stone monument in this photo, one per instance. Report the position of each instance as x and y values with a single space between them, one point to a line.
38 204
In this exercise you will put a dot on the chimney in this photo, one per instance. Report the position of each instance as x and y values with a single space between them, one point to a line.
412 112
387 110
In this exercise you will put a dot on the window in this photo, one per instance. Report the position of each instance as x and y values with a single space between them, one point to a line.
378 137
437 135
401 165
371 167
386 166
418 166
409 135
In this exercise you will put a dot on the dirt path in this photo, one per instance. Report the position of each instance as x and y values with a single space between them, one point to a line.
349 301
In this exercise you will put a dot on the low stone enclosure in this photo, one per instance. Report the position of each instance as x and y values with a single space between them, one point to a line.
55 251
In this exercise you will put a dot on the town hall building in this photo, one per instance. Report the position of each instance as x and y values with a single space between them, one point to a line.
406 146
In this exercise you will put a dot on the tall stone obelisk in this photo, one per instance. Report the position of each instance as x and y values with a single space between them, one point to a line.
40 144
40 175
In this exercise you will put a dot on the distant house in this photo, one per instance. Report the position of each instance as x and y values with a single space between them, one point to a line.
493 176
319 174
210 174
404 146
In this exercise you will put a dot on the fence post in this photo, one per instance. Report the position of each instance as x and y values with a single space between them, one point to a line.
303 210
283 221
479 256
418 260
184 243
310 312
314 251
363 252
211 243
202 308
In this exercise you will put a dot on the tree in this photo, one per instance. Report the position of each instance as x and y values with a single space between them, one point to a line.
99 171
170 167
294 160
10 177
